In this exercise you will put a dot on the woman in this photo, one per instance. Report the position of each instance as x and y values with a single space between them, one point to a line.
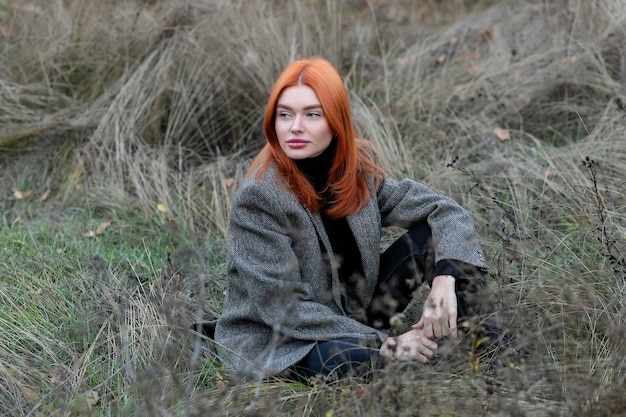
308 289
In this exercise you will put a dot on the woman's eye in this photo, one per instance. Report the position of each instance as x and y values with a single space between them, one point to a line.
283 115
315 114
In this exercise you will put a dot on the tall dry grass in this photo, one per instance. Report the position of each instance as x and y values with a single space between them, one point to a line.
149 111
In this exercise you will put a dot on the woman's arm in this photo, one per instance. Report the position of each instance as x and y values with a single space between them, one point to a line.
455 242
407 203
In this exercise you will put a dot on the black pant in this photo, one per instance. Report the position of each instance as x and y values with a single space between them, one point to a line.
404 266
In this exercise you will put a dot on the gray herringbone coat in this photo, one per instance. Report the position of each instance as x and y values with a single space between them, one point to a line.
282 295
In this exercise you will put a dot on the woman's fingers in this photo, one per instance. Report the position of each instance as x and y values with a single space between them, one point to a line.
435 329
430 345
410 346
389 347
418 353
419 325
452 327
428 350
440 329
407 355
429 330
411 353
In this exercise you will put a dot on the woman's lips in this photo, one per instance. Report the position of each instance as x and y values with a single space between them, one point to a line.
297 143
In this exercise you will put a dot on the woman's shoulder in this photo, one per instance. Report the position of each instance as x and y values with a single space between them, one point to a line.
263 196
268 184
266 179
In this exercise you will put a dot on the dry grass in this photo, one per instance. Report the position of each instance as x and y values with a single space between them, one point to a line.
145 114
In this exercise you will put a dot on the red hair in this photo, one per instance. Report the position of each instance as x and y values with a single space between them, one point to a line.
353 159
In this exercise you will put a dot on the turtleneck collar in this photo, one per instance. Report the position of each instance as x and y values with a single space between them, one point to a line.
316 169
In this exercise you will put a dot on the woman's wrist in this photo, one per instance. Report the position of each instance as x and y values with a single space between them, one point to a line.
443 278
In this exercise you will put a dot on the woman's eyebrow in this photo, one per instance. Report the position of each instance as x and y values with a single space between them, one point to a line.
310 107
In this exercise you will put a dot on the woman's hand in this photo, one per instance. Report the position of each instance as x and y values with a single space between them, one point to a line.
410 346
440 310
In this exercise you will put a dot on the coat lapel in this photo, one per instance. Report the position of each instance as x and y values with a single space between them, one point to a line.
366 231
323 237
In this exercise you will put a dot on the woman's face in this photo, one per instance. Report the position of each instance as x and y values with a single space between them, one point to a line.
300 124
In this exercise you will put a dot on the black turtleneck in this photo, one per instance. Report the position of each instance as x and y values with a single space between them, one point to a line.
342 241
316 169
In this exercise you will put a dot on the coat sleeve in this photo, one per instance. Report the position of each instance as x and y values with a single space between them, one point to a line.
407 202
265 287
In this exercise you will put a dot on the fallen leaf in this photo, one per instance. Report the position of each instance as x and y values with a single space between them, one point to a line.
396 13
90 233
7 30
487 34
92 397
550 173
522 100
441 59
19 195
502 134
44 196
228 182
102 228
467 56
161 207
570 59
453 40
220 383
475 69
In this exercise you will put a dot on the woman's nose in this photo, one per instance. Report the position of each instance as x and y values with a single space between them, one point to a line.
297 124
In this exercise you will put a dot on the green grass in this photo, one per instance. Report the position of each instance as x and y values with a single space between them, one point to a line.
71 299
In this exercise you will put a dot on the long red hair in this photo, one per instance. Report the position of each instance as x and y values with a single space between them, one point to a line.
353 159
